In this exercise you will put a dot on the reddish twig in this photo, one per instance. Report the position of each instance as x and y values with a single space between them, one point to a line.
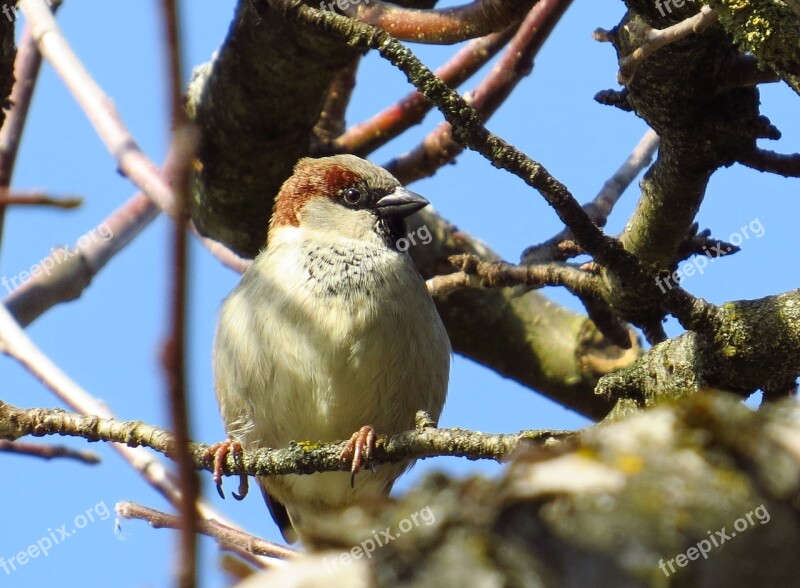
174 350
33 198
26 71
440 26
49 451
438 148
331 123
368 135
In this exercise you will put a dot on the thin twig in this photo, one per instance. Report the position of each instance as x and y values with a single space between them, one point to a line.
34 198
600 208
658 38
786 165
366 136
438 147
26 72
499 274
173 355
231 538
49 451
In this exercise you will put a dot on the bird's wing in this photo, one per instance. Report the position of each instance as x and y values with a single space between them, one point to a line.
279 515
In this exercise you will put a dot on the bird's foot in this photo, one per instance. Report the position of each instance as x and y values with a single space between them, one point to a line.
359 449
220 451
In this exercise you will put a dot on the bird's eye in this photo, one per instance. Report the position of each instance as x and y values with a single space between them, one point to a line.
353 196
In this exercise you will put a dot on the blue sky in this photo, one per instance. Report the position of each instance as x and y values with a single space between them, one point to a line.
109 339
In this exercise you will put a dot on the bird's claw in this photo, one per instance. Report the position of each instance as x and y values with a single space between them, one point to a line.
220 451
359 449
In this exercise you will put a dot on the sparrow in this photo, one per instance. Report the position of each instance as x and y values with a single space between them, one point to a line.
330 335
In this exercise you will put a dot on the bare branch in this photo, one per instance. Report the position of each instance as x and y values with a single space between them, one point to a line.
26 71
600 208
36 198
173 352
438 147
764 160
49 451
658 38
99 108
65 273
331 123
441 26
230 538
299 458
368 135
501 275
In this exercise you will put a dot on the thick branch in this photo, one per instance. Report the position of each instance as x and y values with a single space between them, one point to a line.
539 344
441 26
756 346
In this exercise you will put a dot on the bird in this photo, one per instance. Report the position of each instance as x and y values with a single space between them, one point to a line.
330 335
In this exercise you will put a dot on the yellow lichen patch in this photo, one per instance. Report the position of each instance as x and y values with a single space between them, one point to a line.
630 464
307 445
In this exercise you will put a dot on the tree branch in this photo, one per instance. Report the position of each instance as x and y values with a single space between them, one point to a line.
441 26
49 451
786 165
299 458
439 148
658 38
229 537
600 208
37 198
366 136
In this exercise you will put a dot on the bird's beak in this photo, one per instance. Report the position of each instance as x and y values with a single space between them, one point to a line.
400 203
